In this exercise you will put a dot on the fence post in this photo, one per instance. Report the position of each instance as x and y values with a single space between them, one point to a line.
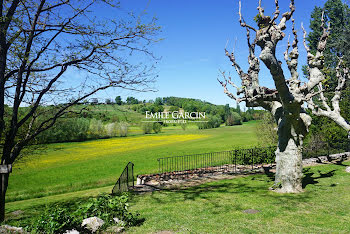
132 171
235 161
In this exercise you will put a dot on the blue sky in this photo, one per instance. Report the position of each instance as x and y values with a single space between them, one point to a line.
195 33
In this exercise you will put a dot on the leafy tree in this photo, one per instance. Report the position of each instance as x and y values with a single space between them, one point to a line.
40 42
118 100
337 14
131 100
158 101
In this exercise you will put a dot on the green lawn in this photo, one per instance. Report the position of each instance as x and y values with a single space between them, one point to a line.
217 207
68 167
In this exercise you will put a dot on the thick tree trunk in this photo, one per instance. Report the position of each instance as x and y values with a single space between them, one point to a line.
289 167
3 188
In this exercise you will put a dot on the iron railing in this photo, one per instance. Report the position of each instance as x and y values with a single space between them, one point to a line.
125 181
225 160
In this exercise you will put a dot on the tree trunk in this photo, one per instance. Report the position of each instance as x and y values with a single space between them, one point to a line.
3 188
289 167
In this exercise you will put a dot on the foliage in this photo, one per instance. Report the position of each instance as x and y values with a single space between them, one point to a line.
118 100
147 127
158 101
233 119
213 122
131 100
62 217
266 130
66 129
78 166
123 129
337 14
157 127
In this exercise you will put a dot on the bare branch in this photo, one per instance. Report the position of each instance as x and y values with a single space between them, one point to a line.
241 20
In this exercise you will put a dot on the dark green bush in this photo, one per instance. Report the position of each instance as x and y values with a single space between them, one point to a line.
147 127
157 127
62 217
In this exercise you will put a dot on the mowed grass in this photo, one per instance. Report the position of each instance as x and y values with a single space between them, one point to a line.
217 207
69 167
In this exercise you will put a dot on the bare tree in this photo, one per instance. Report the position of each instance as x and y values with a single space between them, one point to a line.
46 47
287 102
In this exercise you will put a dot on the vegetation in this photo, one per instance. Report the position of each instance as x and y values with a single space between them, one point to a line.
66 216
337 14
217 207
67 167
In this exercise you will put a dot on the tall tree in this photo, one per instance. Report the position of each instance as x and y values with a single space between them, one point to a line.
337 14
40 42
286 101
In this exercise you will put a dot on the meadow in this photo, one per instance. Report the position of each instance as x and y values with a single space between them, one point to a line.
68 167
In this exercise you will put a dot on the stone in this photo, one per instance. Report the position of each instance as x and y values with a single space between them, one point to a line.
347 169
92 223
119 222
11 229
71 232
251 211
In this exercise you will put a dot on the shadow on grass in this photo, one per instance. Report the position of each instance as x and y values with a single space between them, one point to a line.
310 179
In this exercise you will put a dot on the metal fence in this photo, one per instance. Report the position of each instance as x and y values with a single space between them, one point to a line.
126 180
225 160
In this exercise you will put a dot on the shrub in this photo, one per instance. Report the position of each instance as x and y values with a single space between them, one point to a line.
62 217
96 128
123 128
111 129
157 127
233 119
66 129
213 122
147 127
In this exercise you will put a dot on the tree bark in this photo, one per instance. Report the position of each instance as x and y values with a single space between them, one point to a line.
3 188
289 167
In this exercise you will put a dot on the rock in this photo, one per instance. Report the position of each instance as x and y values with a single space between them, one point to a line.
71 232
347 169
11 229
93 223
119 222
310 161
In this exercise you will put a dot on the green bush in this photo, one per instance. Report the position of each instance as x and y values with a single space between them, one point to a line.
233 119
97 129
157 127
62 217
147 127
213 122
66 129
123 128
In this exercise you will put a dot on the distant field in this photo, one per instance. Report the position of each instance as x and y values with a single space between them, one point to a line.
67 167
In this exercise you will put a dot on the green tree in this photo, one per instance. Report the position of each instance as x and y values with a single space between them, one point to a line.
337 14
118 100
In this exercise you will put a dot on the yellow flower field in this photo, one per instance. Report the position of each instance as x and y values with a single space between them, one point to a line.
99 148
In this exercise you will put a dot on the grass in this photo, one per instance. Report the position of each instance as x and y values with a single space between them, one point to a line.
74 166
216 207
